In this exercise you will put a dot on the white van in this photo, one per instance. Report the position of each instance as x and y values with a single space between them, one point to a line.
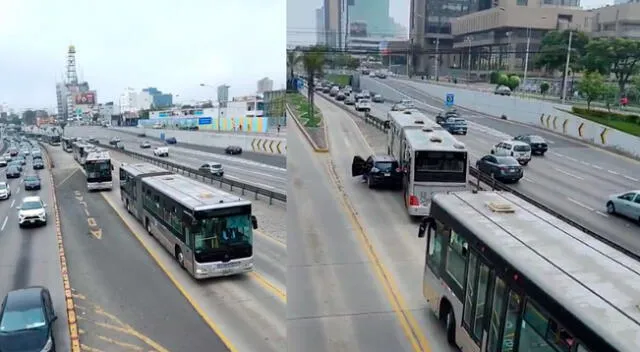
519 150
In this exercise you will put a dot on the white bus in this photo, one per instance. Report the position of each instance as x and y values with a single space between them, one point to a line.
98 168
432 160
506 276
208 231
81 150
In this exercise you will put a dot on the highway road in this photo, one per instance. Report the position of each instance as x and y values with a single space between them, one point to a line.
245 313
572 178
244 170
30 256
341 297
276 160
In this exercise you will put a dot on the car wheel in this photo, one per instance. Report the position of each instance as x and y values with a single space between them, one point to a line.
369 183
611 209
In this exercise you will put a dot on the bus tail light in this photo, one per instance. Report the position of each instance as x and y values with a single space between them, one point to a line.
414 201
398 170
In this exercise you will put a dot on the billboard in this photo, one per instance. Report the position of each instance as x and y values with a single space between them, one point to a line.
88 98
358 29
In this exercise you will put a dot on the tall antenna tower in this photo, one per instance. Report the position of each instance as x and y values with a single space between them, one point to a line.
72 74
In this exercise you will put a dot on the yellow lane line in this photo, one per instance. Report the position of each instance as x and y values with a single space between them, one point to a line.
408 322
269 286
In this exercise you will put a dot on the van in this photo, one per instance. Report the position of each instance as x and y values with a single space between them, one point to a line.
519 150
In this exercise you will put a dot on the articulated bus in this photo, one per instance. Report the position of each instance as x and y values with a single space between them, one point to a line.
433 161
81 150
505 276
98 168
208 231
67 144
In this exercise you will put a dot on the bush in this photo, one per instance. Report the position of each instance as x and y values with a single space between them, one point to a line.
601 114
494 77
544 88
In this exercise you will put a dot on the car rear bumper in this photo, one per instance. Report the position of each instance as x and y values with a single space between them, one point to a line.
31 187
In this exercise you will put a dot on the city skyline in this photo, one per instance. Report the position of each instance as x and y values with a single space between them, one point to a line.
136 53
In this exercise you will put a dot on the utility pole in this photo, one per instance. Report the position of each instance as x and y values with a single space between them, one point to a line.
526 56
566 69
437 61
469 39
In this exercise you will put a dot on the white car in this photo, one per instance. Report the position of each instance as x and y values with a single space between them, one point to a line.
3 162
213 168
519 150
5 190
161 151
32 211
363 105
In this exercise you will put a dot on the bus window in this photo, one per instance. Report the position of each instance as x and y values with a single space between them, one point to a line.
559 337
435 241
483 283
534 326
497 313
514 308
581 348
470 292
456 259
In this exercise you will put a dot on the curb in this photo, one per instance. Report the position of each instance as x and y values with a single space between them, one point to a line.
71 311
306 134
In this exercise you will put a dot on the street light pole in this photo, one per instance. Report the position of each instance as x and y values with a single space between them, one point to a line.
437 60
566 69
469 38
526 56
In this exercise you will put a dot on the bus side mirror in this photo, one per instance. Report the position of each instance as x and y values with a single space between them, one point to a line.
423 227
254 222
112 168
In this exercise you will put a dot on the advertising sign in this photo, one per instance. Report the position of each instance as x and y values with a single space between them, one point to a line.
358 29
88 98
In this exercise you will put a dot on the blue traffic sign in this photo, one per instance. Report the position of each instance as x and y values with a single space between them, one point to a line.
449 99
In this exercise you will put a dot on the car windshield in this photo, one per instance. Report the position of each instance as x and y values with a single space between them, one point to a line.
522 148
386 166
17 320
507 160
13 169
3 186
31 205
216 166
536 139
31 179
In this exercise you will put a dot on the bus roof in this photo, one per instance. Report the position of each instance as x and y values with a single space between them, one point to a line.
193 194
98 155
595 282
411 118
144 169
433 140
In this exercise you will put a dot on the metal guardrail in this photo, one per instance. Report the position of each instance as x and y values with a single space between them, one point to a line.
199 175
496 185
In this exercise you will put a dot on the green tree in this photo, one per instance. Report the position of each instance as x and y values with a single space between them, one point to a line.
29 117
544 88
503 80
313 61
553 50
617 56
513 82
610 94
15 119
294 57
591 86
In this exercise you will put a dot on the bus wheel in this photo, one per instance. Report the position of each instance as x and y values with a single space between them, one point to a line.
179 257
451 327
148 226
128 208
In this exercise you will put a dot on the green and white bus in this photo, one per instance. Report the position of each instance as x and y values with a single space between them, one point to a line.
207 230
506 276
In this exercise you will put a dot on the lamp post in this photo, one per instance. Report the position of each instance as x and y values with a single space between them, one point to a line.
219 105
509 52
436 62
468 39
566 68
526 55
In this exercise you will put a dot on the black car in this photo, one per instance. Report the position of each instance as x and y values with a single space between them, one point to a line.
501 168
444 115
377 170
31 182
93 140
13 172
233 149
26 320
171 140
538 145
38 164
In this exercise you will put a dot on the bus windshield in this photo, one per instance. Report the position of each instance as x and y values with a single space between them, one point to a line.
98 169
220 237
433 166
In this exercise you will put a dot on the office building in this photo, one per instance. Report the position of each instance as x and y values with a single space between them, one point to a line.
223 94
265 85
619 21
333 23
159 99
321 37
374 14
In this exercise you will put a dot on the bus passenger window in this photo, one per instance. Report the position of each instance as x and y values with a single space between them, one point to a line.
534 326
559 337
497 310
581 348
456 260
511 322
434 256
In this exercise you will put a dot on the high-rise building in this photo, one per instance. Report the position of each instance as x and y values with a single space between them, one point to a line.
265 85
375 14
321 38
223 94
333 23
160 100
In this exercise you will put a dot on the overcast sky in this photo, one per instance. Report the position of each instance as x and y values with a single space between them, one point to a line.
171 45
301 20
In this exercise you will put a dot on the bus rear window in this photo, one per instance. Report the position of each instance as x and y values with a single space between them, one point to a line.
440 167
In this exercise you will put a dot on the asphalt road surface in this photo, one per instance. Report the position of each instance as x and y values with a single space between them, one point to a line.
29 256
237 168
247 311
338 299
123 301
279 161
572 178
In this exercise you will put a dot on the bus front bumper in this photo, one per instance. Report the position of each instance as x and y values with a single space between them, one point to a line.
99 185
234 267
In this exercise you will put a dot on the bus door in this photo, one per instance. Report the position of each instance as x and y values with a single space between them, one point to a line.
477 299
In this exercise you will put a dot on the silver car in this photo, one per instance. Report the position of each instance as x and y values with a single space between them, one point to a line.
626 204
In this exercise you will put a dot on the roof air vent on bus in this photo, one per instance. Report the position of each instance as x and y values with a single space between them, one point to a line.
168 178
501 207
458 145
407 112
427 129
419 122
435 139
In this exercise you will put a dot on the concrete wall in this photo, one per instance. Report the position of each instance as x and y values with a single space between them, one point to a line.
268 145
539 113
